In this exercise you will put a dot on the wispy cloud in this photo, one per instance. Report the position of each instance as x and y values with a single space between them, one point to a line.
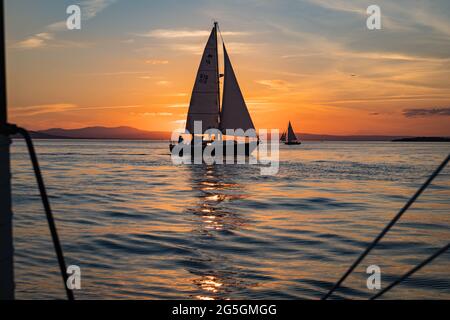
152 114
178 105
397 15
185 33
91 8
340 5
63 107
369 55
175 94
163 83
187 48
36 41
275 84
415 113
42 109
117 73
156 61
46 38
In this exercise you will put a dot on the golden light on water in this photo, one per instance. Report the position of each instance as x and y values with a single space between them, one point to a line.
211 285
206 183
215 197
204 298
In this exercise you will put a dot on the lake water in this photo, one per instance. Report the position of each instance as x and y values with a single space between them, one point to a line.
142 228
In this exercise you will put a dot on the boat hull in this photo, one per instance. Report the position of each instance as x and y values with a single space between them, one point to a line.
248 148
292 143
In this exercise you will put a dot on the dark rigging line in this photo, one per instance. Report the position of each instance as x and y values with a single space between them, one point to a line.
48 210
388 226
10 129
411 272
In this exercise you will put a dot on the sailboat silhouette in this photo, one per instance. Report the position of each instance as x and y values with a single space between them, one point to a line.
205 104
289 137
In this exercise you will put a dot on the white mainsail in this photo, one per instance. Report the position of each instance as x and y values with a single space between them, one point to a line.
234 114
290 134
204 105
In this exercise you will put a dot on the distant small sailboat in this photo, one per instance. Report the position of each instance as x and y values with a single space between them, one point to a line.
289 137
205 99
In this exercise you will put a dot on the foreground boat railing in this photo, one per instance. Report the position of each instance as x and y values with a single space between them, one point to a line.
8 130
386 229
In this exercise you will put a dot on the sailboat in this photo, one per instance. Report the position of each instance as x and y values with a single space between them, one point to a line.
205 101
289 137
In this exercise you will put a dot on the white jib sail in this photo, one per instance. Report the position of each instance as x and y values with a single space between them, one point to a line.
234 114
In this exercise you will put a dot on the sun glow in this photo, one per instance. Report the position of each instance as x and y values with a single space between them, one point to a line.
145 79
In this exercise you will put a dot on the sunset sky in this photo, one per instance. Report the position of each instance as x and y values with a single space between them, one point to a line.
313 62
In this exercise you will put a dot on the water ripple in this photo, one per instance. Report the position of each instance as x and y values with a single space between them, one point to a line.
141 228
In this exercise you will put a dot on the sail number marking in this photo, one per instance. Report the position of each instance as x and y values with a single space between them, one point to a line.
209 58
203 78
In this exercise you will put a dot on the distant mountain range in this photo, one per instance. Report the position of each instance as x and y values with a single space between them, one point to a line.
122 133
423 139
129 133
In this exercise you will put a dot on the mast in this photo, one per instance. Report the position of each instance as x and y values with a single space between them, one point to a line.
216 25
6 239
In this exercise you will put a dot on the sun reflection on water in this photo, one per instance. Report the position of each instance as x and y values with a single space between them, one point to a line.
211 218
